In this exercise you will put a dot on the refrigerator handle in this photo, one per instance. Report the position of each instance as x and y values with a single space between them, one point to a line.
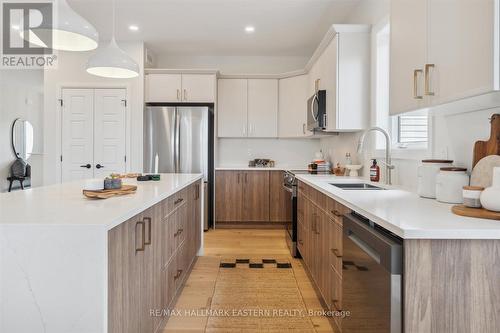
177 141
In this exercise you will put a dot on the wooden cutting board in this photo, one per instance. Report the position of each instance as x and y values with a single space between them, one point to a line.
490 147
105 194
475 212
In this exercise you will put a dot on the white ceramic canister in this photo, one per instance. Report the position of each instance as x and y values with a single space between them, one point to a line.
427 172
490 197
449 184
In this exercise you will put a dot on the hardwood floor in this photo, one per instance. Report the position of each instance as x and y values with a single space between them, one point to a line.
210 287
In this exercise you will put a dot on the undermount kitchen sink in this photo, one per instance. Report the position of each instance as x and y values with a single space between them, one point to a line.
357 186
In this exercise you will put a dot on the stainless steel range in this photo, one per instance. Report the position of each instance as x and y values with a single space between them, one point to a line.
290 185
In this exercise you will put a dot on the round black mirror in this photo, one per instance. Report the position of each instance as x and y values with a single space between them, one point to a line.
22 138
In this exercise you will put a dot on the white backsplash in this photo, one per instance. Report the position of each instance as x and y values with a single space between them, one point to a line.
285 152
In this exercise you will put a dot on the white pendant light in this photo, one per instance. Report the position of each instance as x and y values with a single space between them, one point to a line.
111 61
70 31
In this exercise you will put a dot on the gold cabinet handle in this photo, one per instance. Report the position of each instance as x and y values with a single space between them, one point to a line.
178 201
335 303
427 84
336 253
416 72
143 238
336 213
147 220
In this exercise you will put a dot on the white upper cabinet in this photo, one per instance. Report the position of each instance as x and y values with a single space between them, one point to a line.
247 108
343 70
180 88
461 48
293 95
232 95
163 88
263 108
442 51
198 88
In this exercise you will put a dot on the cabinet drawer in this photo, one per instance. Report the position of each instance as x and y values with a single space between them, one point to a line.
334 209
335 244
182 225
335 301
168 284
174 201
181 258
169 230
301 235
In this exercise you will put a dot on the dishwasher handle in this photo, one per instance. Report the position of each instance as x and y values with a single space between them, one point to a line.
385 249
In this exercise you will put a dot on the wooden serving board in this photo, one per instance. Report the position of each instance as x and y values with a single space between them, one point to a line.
490 147
105 194
475 212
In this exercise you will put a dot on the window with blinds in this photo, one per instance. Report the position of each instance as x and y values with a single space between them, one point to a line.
413 129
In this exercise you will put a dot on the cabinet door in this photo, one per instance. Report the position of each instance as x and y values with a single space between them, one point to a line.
232 108
408 53
198 88
256 196
228 196
280 201
149 273
163 87
263 108
132 278
292 117
461 47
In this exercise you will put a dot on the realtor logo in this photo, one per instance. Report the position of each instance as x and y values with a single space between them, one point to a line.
27 35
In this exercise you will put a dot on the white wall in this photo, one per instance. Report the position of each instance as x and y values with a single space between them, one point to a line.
21 96
71 73
291 153
235 64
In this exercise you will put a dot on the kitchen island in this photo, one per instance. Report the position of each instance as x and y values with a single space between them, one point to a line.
71 264
446 278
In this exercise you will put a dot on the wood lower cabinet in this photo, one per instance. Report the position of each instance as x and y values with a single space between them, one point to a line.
251 196
320 243
256 196
150 256
229 196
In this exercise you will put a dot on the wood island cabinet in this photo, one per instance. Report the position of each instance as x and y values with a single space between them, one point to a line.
251 196
150 256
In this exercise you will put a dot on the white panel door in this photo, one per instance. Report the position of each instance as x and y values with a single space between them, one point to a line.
460 45
163 88
198 88
232 98
408 55
292 117
263 108
77 134
109 131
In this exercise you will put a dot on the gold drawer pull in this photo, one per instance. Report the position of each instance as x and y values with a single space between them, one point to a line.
148 221
335 303
178 201
143 237
336 253
336 213
427 84
179 273
416 72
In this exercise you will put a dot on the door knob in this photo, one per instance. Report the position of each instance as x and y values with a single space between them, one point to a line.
98 166
88 166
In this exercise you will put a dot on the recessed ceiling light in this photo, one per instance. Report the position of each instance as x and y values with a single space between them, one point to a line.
133 27
249 29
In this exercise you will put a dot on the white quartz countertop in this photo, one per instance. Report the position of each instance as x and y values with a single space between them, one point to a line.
64 204
405 213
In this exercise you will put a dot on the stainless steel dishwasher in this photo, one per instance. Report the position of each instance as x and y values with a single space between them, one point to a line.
371 277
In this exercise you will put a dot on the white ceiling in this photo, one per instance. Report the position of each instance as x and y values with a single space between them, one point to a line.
216 27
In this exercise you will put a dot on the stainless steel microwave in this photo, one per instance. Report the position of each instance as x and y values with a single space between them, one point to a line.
316 111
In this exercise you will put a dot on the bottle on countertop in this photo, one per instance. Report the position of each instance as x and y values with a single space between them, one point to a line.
375 172
348 159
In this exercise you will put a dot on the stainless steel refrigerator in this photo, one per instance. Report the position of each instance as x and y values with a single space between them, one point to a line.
179 139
